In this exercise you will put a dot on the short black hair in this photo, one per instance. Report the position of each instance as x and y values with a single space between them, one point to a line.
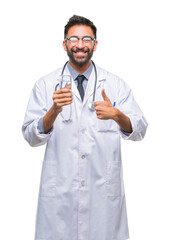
79 20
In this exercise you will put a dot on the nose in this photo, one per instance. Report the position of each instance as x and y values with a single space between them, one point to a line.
80 43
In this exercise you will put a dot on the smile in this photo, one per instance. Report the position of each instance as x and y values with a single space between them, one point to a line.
80 53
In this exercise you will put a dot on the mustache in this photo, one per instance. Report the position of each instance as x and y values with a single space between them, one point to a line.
75 50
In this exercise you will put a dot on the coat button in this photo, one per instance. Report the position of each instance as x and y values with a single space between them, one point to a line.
83 156
83 131
82 183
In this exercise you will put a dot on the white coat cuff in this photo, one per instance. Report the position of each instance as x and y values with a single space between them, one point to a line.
139 126
126 135
39 138
41 127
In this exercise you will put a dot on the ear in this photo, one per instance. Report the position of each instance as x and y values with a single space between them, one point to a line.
64 45
95 45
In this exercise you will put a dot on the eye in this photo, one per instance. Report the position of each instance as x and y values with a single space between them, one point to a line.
87 39
73 39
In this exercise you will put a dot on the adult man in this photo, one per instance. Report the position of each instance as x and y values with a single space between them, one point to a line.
81 193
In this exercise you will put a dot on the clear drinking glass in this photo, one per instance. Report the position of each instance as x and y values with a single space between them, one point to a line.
65 82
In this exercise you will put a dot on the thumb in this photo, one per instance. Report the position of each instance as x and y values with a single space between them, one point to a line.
104 95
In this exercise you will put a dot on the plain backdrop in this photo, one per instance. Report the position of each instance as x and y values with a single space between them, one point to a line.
134 43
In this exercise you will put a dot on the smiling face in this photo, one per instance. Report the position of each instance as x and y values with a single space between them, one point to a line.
80 52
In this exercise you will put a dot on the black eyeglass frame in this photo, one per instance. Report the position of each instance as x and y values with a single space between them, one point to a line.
83 39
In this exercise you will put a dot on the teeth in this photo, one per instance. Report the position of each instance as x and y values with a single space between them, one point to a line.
80 53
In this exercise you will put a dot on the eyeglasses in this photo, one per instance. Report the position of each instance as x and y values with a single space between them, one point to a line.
85 39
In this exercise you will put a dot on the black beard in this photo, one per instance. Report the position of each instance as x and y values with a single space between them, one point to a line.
73 60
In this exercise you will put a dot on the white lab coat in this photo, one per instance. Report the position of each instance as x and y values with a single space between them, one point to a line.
81 193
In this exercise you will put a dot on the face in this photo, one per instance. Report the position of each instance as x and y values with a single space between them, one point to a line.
80 52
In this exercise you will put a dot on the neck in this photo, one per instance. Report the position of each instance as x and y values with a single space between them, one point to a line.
80 69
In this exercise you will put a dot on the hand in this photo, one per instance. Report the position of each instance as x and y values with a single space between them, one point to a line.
104 109
62 97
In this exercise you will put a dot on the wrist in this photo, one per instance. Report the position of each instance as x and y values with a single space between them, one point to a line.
123 121
56 109
115 114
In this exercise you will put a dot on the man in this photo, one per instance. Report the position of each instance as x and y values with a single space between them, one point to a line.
81 193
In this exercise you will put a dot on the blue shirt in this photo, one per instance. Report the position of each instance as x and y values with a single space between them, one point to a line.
75 74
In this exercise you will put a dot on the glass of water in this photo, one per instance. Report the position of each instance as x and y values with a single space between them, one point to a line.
65 81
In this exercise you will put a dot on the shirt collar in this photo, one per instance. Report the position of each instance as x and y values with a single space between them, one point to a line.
74 73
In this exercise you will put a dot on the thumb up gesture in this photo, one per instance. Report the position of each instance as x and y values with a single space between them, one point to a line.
104 109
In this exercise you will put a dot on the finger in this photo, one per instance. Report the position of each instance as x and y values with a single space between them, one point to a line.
62 95
100 108
63 90
98 103
97 108
104 95
63 104
99 115
62 100
68 103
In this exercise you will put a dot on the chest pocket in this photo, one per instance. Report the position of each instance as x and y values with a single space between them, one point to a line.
106 125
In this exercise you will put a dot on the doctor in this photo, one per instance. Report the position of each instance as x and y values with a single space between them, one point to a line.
81 193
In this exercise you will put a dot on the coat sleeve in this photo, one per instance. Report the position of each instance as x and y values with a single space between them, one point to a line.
128 105
36 110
